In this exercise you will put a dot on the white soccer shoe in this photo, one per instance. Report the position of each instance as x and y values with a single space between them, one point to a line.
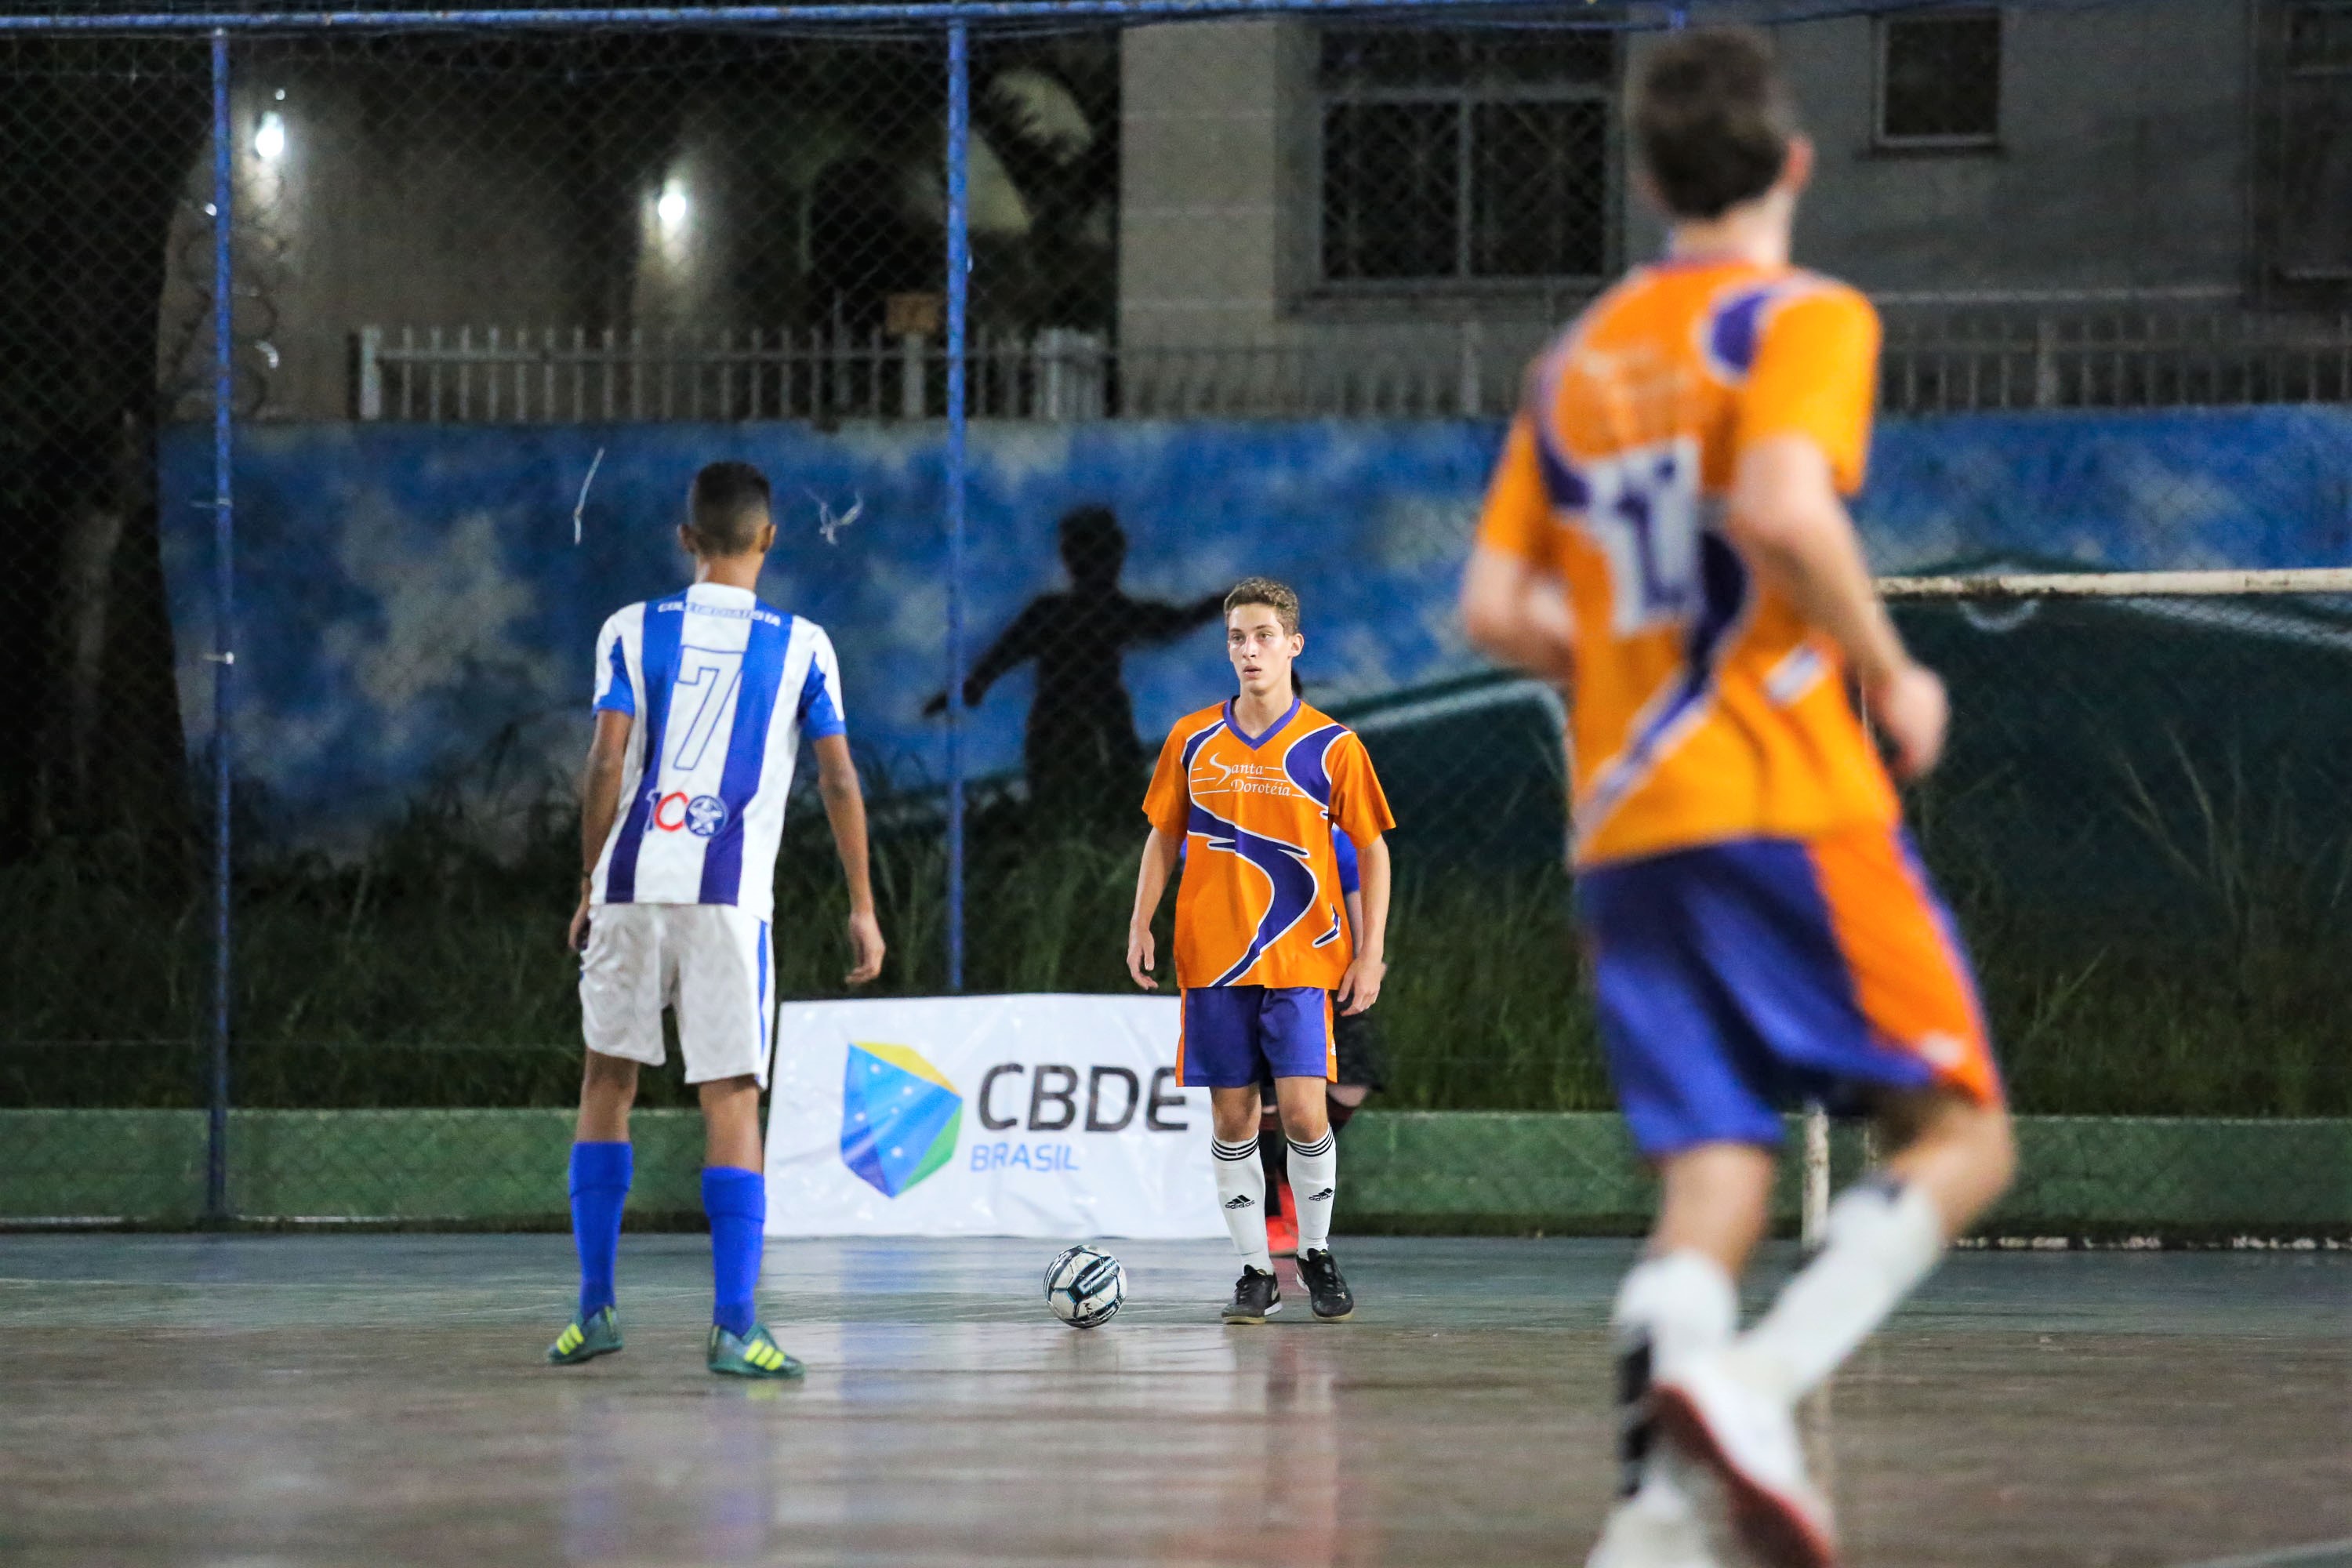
1654 1530
1722 1420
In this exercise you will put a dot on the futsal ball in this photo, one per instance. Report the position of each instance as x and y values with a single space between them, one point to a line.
1085 1285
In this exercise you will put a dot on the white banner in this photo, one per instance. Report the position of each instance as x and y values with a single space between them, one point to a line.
1044 1116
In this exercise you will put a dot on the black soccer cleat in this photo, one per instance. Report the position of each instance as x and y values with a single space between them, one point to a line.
1256 1296
1326 1288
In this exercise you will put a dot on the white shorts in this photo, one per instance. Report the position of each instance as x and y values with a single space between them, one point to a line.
709 963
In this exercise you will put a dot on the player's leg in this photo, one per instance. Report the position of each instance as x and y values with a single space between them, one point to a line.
1295 1032
1233 1113
1859 984
1681 1062
1273 1154
1954 1157
1733 1407
621 988
1216 1049
725 1021
1357 1076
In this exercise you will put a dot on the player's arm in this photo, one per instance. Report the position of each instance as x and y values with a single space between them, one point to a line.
1787 520
600 806
1368 907
1516 614
844 808
1802 438
1513 608
1150 882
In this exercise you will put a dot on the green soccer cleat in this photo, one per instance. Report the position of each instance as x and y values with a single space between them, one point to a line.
753 1355
585 1339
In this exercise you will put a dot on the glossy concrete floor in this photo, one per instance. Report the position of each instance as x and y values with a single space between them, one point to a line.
277 1400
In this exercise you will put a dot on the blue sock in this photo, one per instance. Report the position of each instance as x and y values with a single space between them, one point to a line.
737 1203
600 1189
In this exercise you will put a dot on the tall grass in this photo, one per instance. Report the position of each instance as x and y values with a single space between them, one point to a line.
2213 979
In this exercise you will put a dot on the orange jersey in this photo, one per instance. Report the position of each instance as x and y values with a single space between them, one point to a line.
1260 902
1704 708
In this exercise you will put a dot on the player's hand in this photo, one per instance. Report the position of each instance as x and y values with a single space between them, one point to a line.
1911 712
576 939
866 943
1142 957
1360 986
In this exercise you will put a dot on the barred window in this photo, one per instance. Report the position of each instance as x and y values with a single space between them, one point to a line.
1468 155
1939 79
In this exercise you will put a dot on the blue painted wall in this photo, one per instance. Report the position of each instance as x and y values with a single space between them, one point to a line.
416 612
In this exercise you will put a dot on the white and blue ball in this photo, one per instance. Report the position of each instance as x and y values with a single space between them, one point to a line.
1085 1285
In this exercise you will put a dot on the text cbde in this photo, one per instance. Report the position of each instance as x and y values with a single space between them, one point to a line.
1114 1095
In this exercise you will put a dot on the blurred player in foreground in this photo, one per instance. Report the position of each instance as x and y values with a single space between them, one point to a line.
702 700
1249 793
1666 536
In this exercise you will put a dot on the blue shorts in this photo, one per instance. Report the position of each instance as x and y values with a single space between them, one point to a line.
1229 1030
1734 980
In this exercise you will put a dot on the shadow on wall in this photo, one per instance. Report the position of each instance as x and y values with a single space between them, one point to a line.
416 611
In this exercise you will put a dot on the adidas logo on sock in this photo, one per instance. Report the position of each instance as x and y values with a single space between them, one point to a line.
1322 1197
1240 1203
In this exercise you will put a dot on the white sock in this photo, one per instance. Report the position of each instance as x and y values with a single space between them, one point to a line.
1669 1307
1241 1188
1314 1184
1883 1237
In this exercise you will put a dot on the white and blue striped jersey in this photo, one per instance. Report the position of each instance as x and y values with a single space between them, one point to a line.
722 688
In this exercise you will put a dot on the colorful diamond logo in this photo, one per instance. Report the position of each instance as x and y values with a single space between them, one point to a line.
900 1116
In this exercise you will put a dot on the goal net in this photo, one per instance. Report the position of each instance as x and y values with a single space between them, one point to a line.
2144 826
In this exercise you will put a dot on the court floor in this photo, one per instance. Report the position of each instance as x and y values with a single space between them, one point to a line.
264 1399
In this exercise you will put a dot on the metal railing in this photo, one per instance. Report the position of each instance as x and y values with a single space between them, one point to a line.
548 374
1979 359
1962 360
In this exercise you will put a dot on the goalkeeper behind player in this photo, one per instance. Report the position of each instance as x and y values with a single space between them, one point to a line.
1665 535
702 700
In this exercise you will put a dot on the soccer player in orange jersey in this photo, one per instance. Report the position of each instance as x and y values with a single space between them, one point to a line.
1666 536
1249 794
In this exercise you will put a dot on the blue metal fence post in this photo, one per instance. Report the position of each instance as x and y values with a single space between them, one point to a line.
224 633
958 297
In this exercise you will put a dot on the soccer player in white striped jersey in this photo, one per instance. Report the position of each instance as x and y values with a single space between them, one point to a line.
702 700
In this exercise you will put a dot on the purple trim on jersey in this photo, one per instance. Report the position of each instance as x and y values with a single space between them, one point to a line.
665 628
1296 890
818 714
1193 748
1562 483
1271 730
1736 328
619 696
746 751
1305 763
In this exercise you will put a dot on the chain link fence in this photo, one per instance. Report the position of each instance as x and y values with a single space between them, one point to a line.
1249 294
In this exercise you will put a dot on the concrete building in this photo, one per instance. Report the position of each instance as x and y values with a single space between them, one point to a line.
1312 216
2032 167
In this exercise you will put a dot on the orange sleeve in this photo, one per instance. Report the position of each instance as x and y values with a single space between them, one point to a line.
1168 801
1518 516
1359 804
1816 374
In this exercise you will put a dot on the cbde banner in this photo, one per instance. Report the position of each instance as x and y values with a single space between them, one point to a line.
1043 1116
